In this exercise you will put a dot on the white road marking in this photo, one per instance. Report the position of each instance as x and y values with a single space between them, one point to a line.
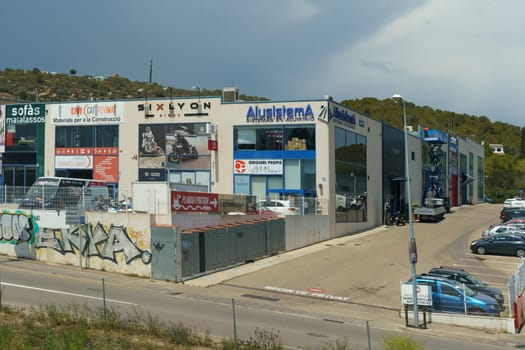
305 293
63 293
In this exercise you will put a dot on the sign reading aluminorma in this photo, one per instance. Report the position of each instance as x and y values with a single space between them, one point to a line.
258 166
194 202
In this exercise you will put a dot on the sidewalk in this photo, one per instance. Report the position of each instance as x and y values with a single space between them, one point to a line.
386 319
215 278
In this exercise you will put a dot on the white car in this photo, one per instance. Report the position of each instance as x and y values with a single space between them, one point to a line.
279 207
502 229
514 203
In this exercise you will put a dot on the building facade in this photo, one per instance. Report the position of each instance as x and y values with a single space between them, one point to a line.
322 156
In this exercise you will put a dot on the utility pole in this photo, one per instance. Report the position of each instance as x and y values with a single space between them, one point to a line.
150 70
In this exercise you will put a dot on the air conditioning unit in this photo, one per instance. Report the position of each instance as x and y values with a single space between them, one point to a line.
230 94
211 129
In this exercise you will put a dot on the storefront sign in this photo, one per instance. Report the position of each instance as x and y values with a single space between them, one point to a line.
176 109
279 114
73 162
29 113
342 115
87 113
258 166
194 202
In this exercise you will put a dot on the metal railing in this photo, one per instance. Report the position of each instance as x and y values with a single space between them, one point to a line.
53 198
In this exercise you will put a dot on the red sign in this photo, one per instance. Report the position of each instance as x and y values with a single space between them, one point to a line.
194 202
73 151
105 168
212 145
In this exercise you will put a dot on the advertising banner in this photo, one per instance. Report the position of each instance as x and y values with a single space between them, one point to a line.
194 202
258 166
73 162
90 113
105 168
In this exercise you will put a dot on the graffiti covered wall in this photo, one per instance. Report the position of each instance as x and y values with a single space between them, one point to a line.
108 241
18 231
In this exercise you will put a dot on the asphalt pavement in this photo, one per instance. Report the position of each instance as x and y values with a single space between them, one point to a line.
358 277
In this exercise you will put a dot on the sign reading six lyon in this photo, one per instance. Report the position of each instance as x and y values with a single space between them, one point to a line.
29 113
87 113
194 202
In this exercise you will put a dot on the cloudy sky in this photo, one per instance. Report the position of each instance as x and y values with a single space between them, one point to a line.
465 56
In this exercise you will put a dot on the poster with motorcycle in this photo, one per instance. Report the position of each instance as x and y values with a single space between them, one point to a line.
152 144
187 146
175 146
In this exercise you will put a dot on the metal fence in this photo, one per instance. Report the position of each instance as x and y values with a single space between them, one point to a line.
57 198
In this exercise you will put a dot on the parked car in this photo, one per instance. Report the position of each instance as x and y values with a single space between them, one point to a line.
510 213
510 228
515 221
515 202
502 244
451 296
471 281
280 207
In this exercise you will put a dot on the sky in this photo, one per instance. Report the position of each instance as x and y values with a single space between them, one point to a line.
463 56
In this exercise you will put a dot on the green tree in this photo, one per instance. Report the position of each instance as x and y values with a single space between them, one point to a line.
501 176
522 145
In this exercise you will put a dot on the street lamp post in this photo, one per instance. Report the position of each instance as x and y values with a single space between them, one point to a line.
412 251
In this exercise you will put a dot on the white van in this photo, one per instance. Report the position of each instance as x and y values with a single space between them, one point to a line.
515 202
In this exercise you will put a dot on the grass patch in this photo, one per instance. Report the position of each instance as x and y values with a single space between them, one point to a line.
77 327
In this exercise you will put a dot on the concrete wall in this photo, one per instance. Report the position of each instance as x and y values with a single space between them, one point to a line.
493 324
112 242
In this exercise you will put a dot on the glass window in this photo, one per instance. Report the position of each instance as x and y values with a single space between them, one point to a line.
275 182
245 138
202 178
74 136
270 138
242 184
20 137
292 174
350 176
106 136
299 137
258 184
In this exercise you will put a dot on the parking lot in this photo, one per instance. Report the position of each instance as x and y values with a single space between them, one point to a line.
368 268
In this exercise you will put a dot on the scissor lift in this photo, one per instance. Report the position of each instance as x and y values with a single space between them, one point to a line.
434 202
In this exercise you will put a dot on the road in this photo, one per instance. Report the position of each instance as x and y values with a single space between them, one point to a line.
344 288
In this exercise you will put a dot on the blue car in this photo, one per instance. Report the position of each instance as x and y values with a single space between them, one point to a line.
453 297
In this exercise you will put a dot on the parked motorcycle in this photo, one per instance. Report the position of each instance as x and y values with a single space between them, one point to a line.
397 219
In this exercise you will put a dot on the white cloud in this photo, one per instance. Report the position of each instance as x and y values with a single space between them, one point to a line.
468 52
